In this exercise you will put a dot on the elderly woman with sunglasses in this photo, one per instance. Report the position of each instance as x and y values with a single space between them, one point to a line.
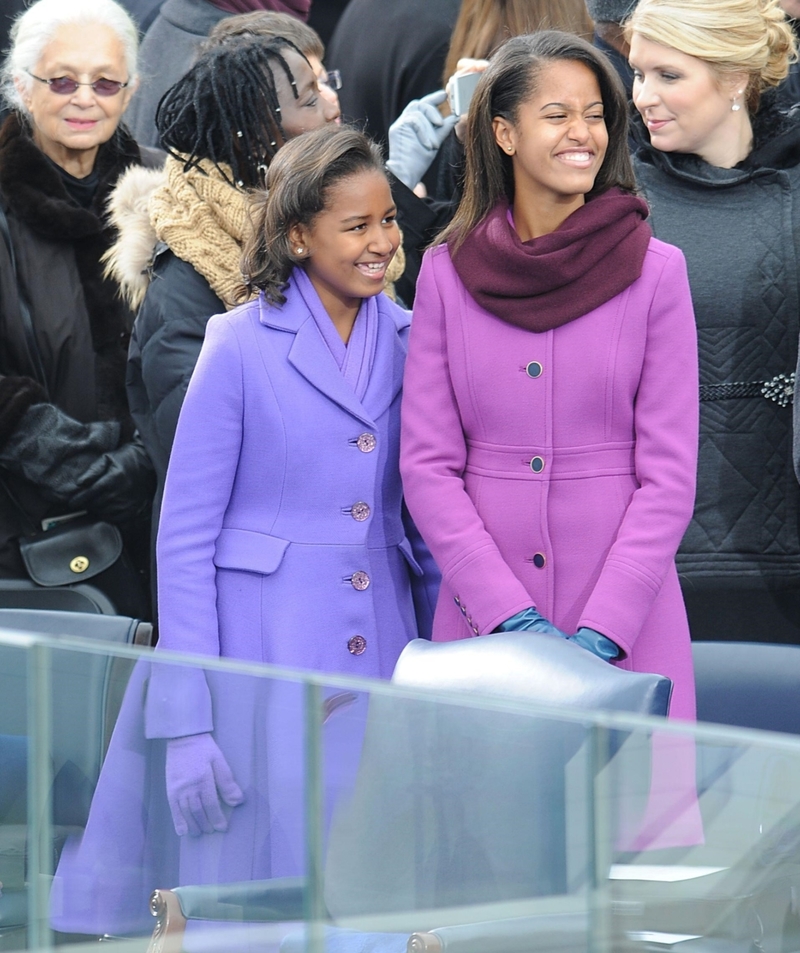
67 441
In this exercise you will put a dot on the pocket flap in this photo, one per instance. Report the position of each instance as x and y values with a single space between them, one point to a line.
249 551
405 548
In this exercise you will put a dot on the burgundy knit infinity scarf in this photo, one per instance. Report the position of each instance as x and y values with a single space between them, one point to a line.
298 8
546 282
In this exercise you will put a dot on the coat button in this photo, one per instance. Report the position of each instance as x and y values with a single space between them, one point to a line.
357 645
537 464
534 369
539 560
359 580
366 442
360 512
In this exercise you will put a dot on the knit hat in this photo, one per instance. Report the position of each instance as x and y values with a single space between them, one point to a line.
610 11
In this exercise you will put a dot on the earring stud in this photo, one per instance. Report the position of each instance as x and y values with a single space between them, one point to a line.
299 251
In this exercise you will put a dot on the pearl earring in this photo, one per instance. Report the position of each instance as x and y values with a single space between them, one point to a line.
735 106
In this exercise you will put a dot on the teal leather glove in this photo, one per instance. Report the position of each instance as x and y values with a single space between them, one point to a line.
599 645
529 620
416 136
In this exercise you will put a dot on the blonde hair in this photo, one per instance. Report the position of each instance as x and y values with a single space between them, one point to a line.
731 36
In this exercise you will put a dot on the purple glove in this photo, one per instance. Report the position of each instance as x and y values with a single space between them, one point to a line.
197 776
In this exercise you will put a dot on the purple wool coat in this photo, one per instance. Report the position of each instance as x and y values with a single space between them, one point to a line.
282 540
282 508
558 469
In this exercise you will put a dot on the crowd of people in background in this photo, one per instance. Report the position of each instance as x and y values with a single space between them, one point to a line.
127 177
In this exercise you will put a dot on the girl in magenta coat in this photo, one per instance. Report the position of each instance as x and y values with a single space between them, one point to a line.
550 409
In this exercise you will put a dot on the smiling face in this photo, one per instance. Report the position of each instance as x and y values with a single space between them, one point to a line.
350 243
70 128
686 106
559 139
310 109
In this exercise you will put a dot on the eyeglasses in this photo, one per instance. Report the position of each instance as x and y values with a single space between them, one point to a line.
64 86
333 79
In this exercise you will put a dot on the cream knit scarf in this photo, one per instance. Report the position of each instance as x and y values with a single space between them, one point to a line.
204 220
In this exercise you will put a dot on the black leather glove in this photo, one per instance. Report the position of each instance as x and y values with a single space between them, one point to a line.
117 486
52 450
80 465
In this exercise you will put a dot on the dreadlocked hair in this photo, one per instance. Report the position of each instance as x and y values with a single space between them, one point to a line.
226 109
299 183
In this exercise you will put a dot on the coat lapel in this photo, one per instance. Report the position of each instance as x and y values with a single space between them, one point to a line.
309 355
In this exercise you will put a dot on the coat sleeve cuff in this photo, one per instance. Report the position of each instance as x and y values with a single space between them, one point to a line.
178 702
621 602
486 591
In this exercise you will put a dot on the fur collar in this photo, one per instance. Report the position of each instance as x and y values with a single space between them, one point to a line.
129 258
35 193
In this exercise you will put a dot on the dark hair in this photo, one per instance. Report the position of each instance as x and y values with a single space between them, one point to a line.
298 186
509 81
483 25
226 109
267 23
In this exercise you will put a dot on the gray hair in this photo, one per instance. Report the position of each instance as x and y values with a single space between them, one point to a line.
37 26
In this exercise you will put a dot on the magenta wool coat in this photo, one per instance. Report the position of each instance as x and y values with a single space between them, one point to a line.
558 468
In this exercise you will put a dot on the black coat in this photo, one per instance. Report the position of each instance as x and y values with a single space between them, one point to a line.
167 51
81 326
389 53
166 341
421 220
740 231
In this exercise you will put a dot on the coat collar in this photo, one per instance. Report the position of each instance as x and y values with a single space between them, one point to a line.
310 356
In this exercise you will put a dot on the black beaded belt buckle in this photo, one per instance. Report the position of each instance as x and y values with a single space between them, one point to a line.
780 389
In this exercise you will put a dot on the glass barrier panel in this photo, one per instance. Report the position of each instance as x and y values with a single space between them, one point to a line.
280 811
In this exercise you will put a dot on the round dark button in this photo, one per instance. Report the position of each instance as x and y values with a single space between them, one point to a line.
539 560
534 369
357 645
359 580
537 464
366 442
360 512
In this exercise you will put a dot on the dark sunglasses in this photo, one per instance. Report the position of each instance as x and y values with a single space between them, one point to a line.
64 86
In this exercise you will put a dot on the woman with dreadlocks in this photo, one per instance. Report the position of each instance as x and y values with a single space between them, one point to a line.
182 229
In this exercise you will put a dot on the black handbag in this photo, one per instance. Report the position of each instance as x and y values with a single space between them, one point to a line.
83 550
73 552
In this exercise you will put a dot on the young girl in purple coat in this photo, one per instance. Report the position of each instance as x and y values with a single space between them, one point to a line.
282 540
550 406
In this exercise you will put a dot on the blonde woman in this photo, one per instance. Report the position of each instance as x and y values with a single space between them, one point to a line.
719 162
